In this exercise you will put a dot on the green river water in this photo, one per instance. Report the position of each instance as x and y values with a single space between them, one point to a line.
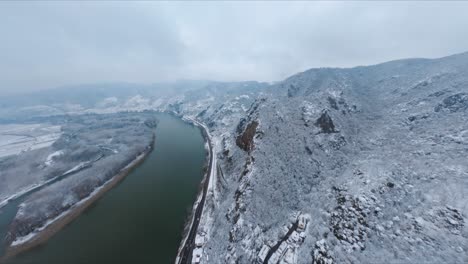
141 219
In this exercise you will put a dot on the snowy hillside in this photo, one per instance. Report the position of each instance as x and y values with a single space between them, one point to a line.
374 158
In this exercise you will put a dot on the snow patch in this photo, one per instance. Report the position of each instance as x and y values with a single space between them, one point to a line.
50 158
18 138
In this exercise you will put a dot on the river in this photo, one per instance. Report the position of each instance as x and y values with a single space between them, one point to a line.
141 219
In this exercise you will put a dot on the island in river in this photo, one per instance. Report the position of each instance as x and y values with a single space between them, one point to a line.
155 197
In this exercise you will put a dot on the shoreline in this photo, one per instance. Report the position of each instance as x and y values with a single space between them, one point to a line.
33 187
70 215
184 253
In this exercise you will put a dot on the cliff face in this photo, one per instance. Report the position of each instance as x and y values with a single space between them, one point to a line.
374 158
245 140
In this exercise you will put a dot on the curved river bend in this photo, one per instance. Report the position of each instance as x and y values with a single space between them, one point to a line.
141 219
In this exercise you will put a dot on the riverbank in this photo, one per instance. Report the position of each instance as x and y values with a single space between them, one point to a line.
56 224
34 187
187 246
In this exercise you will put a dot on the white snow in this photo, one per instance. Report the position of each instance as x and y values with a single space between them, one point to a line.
32 187
244 96
108 102
205 219
50 158
15 139
23 239
77 167
19 193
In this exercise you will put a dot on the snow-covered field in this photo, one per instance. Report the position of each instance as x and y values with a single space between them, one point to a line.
18 138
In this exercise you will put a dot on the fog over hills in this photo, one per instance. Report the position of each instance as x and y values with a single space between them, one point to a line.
372 159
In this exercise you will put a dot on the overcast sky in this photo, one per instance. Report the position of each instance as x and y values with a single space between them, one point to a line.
49 44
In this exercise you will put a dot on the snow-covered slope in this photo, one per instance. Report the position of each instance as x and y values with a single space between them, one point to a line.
373 158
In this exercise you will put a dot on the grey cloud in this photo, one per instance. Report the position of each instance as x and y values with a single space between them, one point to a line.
47 44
